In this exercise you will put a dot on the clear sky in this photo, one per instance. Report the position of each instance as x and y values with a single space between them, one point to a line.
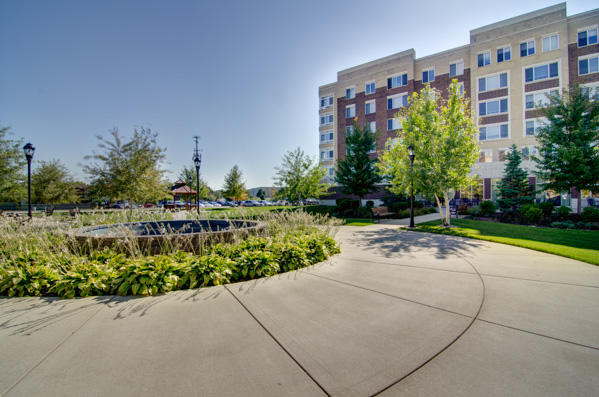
243 75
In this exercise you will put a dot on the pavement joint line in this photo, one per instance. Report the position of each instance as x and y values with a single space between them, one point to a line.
414 266
388 294
537 334
541 281
62 342
278 342
482 302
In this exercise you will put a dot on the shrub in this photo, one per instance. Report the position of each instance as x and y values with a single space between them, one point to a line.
363 212
487 208
369 204
563 212
27 280
533 214
590 214
547 208
473 211
563 225
346 207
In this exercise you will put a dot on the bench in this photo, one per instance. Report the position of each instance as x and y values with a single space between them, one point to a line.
377 212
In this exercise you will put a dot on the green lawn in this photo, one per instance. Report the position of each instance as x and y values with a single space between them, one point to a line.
358 221
582 245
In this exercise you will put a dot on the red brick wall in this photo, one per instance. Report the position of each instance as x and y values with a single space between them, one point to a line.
573 53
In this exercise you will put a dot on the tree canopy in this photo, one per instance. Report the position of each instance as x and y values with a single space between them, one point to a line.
357 173
12 168
445 146
234 187
568 142
299 177
189 174
51 183
261 194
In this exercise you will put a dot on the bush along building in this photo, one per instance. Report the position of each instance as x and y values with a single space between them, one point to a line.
506 70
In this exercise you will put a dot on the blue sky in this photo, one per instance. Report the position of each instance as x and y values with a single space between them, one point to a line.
243 75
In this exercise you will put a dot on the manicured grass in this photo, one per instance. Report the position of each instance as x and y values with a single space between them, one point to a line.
582 245
358 221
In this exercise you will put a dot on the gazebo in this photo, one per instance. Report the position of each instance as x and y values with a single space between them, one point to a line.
181 190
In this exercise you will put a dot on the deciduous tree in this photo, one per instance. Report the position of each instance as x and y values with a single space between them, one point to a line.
234 187
299 177
189 174
12 168
51 183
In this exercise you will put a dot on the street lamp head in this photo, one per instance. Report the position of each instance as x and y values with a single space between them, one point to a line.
197 160
29 150
411 150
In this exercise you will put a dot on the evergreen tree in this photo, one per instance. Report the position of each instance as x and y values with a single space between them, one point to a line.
234 187
357 173
514 190
261 194
568 143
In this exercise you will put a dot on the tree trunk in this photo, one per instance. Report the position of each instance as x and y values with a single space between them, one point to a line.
447 212
440 207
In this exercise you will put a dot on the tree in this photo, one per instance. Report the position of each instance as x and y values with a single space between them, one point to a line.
261 194
445 144
514 190
357 173
12 168
299 177
128 171
234 187
51 183
568 143
189 174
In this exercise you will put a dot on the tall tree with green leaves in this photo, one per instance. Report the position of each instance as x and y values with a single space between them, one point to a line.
51 183
128 170
12 168
357 172
445 143
189 174
299 177
568 143
261 194
514 190
234 187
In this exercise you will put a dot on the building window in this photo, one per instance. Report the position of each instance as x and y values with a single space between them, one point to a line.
331 154
456 69
370 88
484 59
372 126
501 154
494 106
391 143
527 48
370 107
322 155
397 101
587 37
428 75
504 54
588 65
551 43
539 99
492 82
350 93
397 81
492 132
326 119
541 72
485 156
349 130
326 101
529 151
327 137
461 88
532 126
592 90
350 111
393 124
331 172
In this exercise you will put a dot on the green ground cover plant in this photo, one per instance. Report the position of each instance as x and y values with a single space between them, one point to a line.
38 258
582 245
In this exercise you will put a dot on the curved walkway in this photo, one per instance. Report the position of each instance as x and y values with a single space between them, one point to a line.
396 313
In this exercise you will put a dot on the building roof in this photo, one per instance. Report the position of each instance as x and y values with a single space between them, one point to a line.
183 191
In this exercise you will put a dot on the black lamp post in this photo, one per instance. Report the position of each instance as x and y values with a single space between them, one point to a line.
197 161
411 155
29 150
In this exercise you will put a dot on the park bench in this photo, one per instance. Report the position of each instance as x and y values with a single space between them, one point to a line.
73 212
378 212
49 211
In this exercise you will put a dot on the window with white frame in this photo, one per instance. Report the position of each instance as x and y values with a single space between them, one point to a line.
370 88
350 93
587 36
349 129
529 151
485 156
456 69
397 101
331 171
493 106
551 43
501 153
370 107
504 54
399 80
461 88
592 90
492 82
391 143
527 48
533 125
539 99
326 101
371 126
484 59
588 64
331 154
323 155
327 136
428 75
393 124
541 72
350 111
326 119
492 132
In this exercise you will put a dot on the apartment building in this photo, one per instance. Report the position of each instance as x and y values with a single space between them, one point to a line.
506 70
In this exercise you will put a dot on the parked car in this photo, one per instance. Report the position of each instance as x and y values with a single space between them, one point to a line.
250 203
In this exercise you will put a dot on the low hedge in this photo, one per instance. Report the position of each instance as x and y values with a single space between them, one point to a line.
106 272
